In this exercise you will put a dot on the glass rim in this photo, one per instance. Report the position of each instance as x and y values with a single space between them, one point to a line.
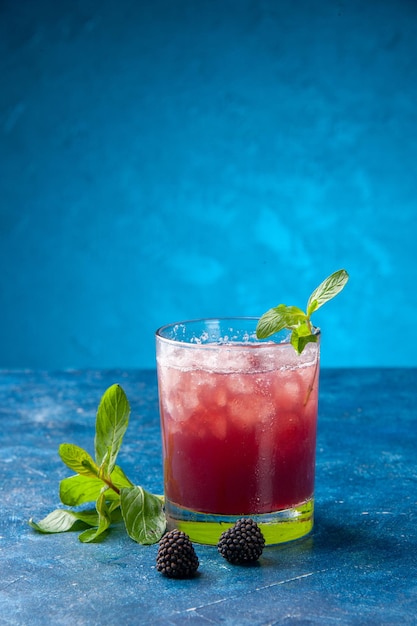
268 342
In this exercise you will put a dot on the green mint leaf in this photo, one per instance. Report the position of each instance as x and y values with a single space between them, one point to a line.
61 520
111 424
299 340
271 322
104 520
327 290
277 319
119 478
76 490
143 515
93 535
294 319
78 459
79 489
114 509
293 316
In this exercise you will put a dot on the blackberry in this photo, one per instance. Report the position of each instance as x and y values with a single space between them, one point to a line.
243 543
176 556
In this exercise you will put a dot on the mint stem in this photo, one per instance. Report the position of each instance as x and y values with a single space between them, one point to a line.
311 385
108 482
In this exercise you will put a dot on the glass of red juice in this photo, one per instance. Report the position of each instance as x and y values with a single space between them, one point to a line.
238 422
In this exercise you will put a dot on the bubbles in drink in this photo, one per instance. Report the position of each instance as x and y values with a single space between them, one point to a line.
240 384
248 411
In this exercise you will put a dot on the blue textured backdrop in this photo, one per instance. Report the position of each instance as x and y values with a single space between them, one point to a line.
175 159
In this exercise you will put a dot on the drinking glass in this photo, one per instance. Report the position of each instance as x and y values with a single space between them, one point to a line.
238 422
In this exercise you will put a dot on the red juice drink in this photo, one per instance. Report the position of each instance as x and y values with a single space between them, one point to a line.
238 419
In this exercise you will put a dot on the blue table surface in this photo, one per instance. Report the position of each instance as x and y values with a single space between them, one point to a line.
358 566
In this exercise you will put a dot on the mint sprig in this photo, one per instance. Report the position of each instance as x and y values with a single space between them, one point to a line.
298 321
101 480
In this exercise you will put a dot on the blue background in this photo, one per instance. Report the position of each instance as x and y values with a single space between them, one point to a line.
165 160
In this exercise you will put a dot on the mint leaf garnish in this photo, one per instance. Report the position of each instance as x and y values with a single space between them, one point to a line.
60 521
120 479
143 515
76 490
111 424
301 336
101 480
104 521
295 320
277 319
78 460
327 290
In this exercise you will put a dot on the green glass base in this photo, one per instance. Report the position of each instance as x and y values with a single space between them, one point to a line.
276 527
